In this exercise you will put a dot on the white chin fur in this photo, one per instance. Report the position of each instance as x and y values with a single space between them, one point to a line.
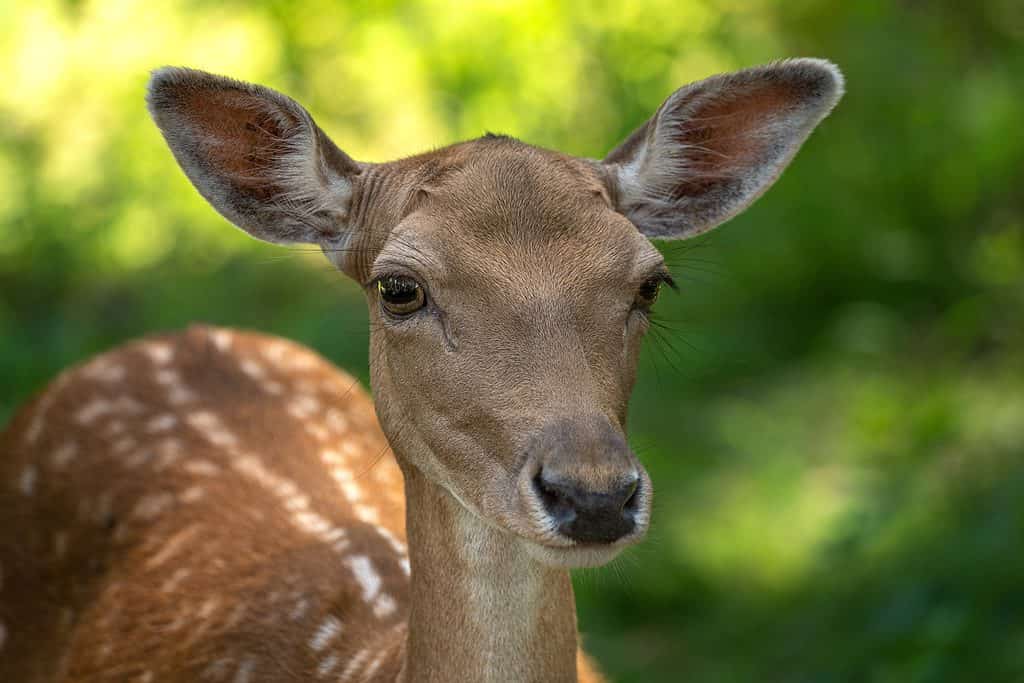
575 557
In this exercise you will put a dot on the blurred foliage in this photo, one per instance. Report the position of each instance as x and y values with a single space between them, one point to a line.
834 418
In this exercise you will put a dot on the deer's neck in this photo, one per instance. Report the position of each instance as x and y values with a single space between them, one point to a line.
482 610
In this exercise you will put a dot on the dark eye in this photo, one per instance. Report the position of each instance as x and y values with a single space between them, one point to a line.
648 293
400 295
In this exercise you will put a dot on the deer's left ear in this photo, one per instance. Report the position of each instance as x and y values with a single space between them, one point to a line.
714 146
255 155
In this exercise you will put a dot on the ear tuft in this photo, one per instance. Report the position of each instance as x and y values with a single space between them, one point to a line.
713 147
254 154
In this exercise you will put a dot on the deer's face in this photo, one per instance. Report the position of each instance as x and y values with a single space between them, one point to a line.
507 311
509 287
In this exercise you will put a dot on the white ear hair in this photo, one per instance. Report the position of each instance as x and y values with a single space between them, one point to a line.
713 147
255 155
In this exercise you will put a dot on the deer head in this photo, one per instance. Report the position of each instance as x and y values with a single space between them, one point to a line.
509 286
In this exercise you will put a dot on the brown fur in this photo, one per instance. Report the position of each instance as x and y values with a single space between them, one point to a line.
192 508
123 572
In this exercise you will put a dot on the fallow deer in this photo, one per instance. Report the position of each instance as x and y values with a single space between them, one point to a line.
216 505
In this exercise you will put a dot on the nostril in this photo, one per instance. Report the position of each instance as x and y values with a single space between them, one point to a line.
632 499
547 496
555 499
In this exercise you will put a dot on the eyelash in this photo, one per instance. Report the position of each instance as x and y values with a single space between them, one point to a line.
647 294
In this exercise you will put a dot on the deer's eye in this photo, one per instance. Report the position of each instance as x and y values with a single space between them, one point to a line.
648 292
400 295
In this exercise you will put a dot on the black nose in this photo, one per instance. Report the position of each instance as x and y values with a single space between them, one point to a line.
588 516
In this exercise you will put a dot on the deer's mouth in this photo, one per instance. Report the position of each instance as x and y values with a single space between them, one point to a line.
579 555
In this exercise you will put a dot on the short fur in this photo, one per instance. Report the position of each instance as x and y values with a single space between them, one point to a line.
715 146
519 367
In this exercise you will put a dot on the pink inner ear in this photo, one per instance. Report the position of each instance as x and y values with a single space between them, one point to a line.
725 135
240 136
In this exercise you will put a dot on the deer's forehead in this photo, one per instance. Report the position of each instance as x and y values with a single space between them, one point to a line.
514 213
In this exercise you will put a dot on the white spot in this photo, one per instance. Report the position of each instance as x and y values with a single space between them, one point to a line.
146 677
104 370
392 540
303 407
272 387
179 622
297 503
354 664
305 386
367 514
299 610
374 665
94 409
171 584
337 421
167 377
352 491
221 339
327 631
149 507
180 394
317 431
300 359
170 452
125 444
312 523
236 615
113 428
161 423
177 392
365 574
202 468
210 426
207 609
384 606
127 405
328 665
192 494
275 352
171 546
217 670
252 369
35 428
160 353
138 458
115 373
27 480
404 564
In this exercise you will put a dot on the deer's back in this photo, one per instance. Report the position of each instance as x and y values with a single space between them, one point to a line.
209 505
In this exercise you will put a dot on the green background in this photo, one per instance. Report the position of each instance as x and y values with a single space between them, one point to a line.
835 419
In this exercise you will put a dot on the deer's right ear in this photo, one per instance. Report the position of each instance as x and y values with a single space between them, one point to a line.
255 155
714 146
